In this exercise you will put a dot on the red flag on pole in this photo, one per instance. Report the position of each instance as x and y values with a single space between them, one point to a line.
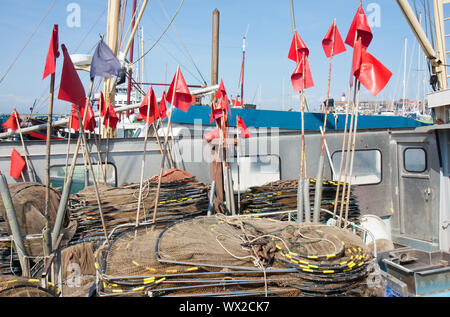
373 74
11 123
222 105
90 123
17 164
327 42
71 89
212 134
52 54
241 125
356 61
178 94
297 49
111 118
162 109
361 27
299 80
102 105
149 105
236 103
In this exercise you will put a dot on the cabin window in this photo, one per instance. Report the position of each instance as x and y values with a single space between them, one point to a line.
366 167
57 174
415 160
255 171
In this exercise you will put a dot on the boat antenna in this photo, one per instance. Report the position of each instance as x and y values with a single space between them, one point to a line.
292 15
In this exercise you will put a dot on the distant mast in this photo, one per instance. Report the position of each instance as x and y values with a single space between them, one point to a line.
241 78
242 70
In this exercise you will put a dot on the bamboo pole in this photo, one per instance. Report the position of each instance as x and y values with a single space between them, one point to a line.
88 158
165 148
68 147
46 230
347 159
342 155
353 155
143 163
319 178
68 184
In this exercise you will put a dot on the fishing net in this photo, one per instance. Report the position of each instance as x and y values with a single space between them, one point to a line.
223 256
181 195
29 205
15 286
78 269
282 196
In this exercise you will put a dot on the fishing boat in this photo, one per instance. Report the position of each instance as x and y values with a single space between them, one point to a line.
400 181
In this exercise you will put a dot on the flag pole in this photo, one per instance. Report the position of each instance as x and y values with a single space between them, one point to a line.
347 159
143 162
68 184
349 101
68 147
319 177
238 173
46 230
353 155
88 158
305 180
341 166
165 146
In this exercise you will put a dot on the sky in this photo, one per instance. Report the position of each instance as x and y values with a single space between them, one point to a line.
268 27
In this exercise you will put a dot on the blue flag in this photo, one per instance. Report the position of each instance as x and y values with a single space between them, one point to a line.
104 62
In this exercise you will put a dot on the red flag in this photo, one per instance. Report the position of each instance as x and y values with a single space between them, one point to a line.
162 107
102 105
299 80
52 54
236 103
222 100
297 49
148 107
356 62
327 42
71 89
361 27
212 135
11 123
111 118
178 94
89 124
373 74
222 105
241 125
17 164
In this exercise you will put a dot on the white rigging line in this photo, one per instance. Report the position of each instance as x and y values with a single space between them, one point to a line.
27 42
182 43
162 34
40 103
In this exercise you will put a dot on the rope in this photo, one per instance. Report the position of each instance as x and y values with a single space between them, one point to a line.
182 43
27 42
162 34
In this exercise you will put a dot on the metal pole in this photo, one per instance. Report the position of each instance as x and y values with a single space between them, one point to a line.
13 224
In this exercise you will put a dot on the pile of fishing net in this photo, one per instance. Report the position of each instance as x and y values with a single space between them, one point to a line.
224 256
16 286
181 195
282 196
29 205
